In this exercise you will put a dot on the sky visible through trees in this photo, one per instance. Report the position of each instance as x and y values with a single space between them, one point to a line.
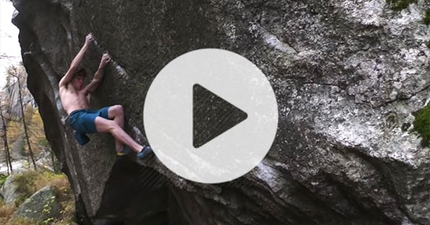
9 45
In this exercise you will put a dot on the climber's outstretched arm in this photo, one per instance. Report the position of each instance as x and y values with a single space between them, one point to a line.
99 74
76 61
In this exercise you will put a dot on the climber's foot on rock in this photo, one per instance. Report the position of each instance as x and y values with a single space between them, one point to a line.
146 150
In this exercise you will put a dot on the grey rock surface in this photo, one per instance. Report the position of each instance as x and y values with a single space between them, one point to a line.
10 191
347 76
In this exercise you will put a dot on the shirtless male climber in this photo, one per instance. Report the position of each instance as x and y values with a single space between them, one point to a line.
75 99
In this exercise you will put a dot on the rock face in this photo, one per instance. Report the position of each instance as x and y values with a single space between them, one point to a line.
41 206
10 191
348 76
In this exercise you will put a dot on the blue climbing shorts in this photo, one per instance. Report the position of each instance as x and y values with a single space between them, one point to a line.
83 120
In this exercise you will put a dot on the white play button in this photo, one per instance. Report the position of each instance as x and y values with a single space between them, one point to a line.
210 115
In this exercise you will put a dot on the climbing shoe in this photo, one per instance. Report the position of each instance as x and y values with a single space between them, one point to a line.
81 138
146 150
125 151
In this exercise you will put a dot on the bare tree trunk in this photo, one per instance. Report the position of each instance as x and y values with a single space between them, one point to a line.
25 125
6 146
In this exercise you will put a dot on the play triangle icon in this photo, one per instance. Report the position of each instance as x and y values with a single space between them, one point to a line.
212 115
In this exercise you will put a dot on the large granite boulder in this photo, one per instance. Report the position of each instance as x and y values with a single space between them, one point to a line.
348 77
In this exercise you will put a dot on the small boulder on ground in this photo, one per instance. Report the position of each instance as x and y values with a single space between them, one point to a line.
10 191
41 206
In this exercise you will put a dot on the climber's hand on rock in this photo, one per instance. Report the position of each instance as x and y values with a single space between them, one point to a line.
89 39
105 60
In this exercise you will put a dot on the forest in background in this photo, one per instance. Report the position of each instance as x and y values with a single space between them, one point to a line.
21 127
26 158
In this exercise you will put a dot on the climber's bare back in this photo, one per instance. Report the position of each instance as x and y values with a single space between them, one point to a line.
72 99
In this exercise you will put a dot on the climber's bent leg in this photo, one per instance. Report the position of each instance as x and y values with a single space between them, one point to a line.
116 114
109 126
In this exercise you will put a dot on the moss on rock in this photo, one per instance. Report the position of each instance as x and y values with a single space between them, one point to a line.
3 178
426 19
422 124
399 5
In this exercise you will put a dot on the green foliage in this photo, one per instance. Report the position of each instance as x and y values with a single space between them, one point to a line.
25 184
426 19
20 199
43 142
29 182
3 178
422 124
398 5
428 44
